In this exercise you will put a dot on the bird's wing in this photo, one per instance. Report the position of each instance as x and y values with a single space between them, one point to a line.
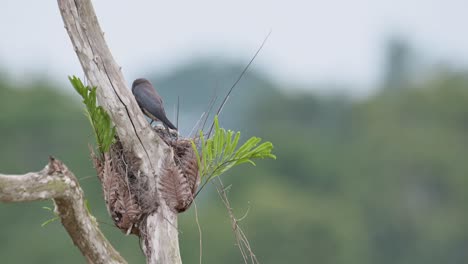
148 99
151 102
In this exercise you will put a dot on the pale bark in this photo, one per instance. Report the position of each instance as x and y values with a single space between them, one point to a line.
56 182
160 238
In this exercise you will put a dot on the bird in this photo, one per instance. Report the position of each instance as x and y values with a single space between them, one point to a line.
150 102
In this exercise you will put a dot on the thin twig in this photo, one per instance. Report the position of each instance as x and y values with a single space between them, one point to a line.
87 177
205 116
242 241
212 103
196 124
199 230
238 79
178 107
246 213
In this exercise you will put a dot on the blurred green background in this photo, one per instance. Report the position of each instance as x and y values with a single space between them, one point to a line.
375 179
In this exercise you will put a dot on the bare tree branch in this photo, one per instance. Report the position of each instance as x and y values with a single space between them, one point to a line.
160 236
56 182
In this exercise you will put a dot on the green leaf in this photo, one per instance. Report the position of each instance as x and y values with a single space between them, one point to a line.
196 152
219 153
245 160
98 117
88 208
252 142
49 221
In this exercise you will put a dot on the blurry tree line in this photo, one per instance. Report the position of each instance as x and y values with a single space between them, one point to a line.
376 180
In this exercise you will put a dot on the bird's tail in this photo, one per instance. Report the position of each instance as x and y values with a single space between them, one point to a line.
168 123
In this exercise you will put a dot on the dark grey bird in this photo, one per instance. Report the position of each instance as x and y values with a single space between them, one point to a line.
150 102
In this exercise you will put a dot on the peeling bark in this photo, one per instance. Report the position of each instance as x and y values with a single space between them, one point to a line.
56 182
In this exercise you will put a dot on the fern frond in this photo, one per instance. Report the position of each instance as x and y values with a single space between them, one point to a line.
100 120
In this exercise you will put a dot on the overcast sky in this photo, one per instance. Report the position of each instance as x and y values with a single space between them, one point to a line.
312 41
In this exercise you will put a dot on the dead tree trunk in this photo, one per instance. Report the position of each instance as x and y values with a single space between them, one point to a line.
160 235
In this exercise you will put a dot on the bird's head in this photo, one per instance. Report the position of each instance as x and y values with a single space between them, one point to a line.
139 81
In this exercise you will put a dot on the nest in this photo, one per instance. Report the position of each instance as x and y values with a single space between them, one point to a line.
127 191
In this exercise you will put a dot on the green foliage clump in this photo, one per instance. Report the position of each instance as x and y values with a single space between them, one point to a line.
219 153
98 117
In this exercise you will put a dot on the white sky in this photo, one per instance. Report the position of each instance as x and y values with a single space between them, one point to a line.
312 41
